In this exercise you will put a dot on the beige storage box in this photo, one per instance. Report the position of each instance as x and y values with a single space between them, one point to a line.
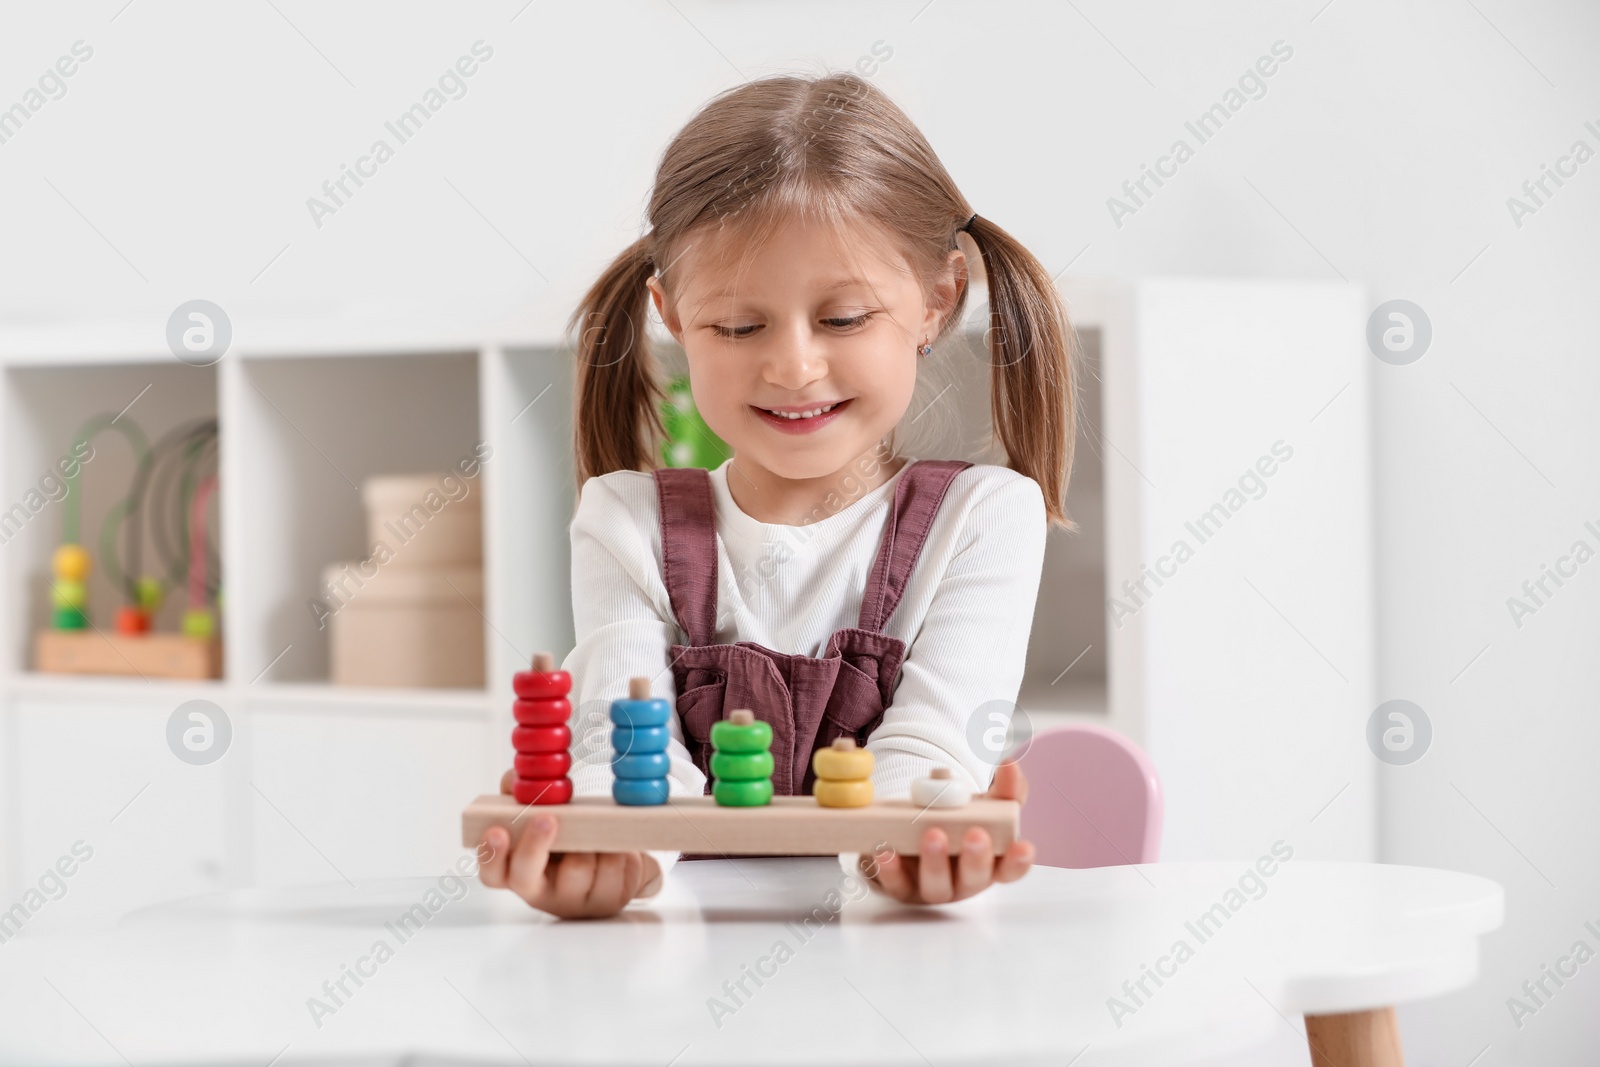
415 515
406 627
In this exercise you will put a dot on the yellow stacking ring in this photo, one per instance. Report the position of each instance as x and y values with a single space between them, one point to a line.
856 793
842 764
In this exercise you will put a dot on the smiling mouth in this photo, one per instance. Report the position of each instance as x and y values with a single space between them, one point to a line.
806 413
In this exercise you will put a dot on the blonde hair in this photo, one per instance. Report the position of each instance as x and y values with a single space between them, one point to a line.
833 149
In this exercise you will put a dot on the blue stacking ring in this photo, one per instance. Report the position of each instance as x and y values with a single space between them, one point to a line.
640 712
628 741
642 765
638 792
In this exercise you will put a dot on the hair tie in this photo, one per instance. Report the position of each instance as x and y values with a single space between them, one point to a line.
968 226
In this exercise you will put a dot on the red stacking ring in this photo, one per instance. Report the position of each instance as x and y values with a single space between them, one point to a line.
542 712
542 790
541 685
541 738
543 764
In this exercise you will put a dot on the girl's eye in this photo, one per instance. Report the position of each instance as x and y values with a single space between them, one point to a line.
838 323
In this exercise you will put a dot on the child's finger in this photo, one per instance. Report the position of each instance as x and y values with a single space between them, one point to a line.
1009 782
574 878
975 866
1015 862
525 874
633 874
894 878
933 866
610 870
492 869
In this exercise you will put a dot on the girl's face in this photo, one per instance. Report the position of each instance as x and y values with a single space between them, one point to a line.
806 360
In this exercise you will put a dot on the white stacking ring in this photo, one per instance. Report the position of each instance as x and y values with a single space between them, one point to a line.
939 791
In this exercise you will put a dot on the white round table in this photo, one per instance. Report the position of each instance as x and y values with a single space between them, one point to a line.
1157 964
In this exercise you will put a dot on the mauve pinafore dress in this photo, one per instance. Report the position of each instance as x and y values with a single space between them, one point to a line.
809 701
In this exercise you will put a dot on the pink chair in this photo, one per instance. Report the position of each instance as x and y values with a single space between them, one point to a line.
1094 799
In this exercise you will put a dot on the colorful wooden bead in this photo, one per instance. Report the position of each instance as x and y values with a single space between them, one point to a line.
626 741
939 790
639 792
542 790
843 793
69 619
69 593
731 735
548 712
132 620
642 765
541 738
542 764
842 761
741 766
70 562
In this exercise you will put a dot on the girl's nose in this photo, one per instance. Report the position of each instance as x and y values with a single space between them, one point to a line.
794 360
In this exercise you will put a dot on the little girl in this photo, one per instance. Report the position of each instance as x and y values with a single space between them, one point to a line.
803 251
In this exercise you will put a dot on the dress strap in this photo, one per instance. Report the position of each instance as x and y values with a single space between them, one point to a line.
916 500
689 548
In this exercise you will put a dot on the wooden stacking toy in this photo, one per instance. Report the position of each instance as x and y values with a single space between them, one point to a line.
844 775
542 737
639 739
741 817
939 790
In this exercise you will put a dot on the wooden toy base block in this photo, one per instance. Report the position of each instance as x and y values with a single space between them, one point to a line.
150 655
795 825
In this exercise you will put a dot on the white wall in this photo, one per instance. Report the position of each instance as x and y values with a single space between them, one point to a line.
179 162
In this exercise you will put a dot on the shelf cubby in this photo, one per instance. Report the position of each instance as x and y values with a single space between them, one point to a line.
315 428
45 406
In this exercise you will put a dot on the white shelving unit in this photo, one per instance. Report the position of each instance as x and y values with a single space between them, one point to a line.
329 783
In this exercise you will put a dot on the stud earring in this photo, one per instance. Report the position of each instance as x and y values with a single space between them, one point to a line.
925 348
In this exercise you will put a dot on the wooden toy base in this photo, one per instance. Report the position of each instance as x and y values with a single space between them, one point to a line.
794 825
150 655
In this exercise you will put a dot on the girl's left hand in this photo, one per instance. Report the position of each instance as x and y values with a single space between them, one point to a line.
936 877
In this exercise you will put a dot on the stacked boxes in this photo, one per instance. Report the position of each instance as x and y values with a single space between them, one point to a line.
639 738
741 760
410 614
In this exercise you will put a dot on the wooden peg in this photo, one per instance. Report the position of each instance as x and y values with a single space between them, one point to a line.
543 662
639 688
940 773
844 744
742 716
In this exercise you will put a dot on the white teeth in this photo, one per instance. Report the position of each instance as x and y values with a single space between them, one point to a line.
801 414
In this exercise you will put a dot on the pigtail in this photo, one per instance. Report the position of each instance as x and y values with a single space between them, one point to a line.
1033 399
617 422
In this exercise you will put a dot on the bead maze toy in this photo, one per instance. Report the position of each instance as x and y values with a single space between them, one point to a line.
741 816
177 479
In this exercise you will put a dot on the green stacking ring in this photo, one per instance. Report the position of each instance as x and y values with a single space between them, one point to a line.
741 766
732 737
751 794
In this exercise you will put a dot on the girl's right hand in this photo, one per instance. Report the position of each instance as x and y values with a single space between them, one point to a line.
568 885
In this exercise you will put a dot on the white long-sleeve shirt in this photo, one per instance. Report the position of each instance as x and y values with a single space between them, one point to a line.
965 615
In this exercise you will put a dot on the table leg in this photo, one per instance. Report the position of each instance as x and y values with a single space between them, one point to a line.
1356 1039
